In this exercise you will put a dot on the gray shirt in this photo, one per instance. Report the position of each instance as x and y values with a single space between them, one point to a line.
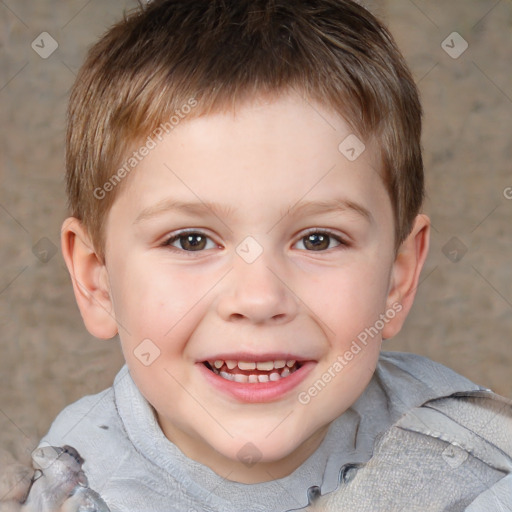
130 462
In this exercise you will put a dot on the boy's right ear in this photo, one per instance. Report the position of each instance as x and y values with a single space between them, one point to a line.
90 279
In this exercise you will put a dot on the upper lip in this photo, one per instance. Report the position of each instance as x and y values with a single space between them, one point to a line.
244 356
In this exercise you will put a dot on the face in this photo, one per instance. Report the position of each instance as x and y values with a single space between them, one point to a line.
248 255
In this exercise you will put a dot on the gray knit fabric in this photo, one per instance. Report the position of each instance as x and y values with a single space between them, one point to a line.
135 467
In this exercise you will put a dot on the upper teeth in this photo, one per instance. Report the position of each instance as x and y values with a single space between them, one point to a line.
253 365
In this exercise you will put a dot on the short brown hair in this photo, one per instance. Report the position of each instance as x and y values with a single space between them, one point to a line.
220 52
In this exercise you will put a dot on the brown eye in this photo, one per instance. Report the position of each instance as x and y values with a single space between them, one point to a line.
190 242
320 241
193 242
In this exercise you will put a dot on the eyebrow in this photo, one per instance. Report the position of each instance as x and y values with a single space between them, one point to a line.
333 206
302 207
192 208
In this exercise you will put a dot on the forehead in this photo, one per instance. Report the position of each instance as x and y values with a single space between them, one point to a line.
280 152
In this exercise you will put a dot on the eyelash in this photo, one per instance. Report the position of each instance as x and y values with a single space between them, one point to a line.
341 242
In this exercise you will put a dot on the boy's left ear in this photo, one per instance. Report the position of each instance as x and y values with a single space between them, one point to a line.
405 274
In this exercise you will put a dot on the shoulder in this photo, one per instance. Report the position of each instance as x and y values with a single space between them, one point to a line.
125 477
452 452
402 381
449 445
421 371
478 421
456 446
463 443
83 413
94 428
89 417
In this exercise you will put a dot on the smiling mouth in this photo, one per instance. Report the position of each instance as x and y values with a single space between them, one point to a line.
253 372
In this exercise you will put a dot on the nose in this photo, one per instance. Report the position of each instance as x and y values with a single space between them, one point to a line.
257 293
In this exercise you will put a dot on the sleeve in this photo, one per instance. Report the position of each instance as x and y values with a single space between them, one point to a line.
452 453
480 423
498 497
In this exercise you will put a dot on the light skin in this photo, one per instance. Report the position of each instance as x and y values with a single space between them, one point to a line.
306 294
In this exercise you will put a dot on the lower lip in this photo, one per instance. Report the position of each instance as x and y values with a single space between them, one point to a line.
258 391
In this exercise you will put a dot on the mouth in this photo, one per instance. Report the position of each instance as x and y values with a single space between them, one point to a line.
253 372
267 379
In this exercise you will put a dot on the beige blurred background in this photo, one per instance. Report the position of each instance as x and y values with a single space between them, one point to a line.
463 312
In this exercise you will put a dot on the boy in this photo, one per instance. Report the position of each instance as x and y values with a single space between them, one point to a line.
245 181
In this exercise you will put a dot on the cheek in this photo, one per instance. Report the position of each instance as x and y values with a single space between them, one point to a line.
348 299
137 302
156 308
156 302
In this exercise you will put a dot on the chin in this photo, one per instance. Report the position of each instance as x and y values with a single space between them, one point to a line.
271 444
